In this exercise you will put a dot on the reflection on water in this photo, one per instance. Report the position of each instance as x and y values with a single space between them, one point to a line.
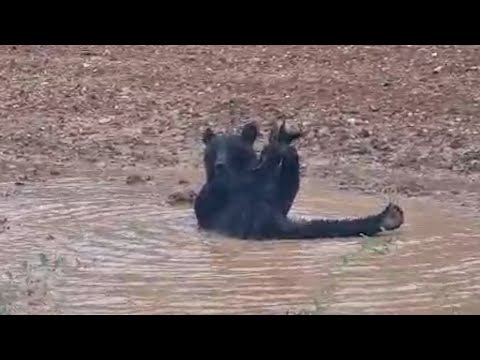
128 252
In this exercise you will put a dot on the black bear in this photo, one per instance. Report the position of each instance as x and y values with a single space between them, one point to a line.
248 197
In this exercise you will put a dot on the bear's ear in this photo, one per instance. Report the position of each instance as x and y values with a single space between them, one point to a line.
207 136
287 137
250 132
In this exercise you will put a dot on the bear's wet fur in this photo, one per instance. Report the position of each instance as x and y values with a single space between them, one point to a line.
249 197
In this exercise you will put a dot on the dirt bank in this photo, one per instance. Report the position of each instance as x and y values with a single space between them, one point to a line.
374 115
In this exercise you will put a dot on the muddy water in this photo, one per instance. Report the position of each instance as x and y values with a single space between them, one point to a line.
126 251
434 268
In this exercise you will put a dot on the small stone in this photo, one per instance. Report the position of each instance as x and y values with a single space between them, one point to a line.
437 69
364 133
134 179
456 144
182 196
105 120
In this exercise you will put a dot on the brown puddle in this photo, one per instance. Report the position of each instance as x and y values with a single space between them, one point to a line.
126 251
434 268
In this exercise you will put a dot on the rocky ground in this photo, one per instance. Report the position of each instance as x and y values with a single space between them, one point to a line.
374 116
